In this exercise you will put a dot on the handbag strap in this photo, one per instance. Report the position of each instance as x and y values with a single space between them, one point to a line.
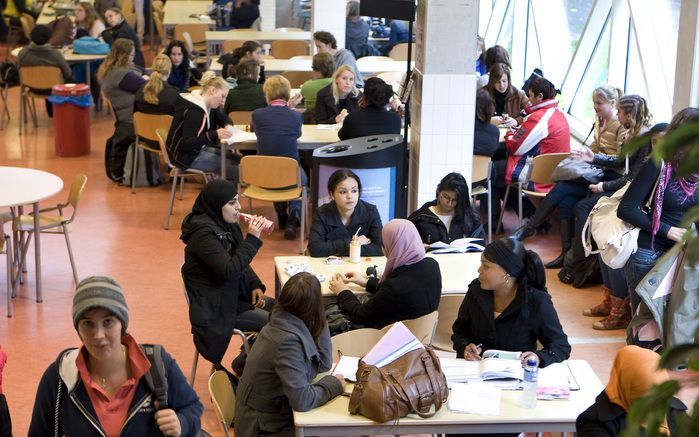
397 379
649 202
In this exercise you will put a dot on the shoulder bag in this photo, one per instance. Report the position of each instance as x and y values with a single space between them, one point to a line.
571 169
412 383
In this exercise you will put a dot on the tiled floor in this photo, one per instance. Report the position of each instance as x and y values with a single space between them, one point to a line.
120 234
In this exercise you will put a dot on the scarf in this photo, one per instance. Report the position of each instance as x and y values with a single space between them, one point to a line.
500 254
685 187
634 372
212 199
402 244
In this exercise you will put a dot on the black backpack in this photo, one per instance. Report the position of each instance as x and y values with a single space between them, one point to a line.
9 73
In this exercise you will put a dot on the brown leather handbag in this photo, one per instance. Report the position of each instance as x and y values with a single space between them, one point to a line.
410 384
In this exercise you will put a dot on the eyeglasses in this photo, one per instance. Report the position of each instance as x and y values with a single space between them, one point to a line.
447 199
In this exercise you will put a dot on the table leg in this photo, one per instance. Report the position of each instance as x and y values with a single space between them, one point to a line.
37 253
299 432
87 73
277 284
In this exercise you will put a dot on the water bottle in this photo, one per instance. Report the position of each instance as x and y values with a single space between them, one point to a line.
531 373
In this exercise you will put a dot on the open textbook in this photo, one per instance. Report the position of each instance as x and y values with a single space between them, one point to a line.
460 370
462 245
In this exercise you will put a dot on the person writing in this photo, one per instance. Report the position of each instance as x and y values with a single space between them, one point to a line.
345 219
289 352
508 308
224 291
102 387
409 288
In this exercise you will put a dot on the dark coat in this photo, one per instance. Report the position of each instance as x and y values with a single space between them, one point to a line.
327 110
123 30
432 229
530 317
370 121
606 419
246 96
189 133
219 281
278 377
409 292
486 138
77 416
167 101
228 59
244 16
330 237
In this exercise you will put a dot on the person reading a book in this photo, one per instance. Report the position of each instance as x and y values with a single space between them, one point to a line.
345 219
634 372
508 308
289 352
224 291
410 286
450 216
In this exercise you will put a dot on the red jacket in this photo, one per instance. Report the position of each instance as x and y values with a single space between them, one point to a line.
544 130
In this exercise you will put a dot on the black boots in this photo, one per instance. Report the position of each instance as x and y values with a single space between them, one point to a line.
542 213
282 216
567 230
290 228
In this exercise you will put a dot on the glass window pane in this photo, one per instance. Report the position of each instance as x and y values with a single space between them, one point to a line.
505 35
595 76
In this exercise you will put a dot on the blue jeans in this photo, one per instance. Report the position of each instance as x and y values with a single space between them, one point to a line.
209 160
565 195
638 265
614 279
295 205
256 318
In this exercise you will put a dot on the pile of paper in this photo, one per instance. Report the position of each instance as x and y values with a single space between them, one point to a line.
475 398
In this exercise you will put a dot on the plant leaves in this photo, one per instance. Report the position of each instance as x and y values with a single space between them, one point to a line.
679 355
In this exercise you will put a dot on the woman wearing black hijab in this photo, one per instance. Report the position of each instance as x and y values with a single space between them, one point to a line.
224 291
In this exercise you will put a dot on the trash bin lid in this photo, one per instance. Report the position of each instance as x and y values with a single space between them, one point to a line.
70 89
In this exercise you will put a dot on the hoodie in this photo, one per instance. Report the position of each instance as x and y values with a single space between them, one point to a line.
193 128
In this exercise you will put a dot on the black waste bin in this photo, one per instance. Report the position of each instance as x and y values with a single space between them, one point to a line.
378 160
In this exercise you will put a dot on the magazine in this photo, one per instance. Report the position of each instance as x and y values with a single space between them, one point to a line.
462 245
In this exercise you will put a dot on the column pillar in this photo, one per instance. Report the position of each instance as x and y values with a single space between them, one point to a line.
268 12
330 16
444 95
687 64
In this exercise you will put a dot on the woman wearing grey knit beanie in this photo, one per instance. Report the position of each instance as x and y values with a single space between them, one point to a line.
105 387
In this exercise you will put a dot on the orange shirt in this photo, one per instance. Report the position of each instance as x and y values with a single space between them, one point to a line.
112 412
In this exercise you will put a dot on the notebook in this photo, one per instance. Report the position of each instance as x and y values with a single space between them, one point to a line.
462 245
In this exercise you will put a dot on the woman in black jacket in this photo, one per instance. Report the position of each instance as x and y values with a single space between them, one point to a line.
346 218
450 216
338 99
249 51
119 28
507 307
224 291
157 96
373 118
410 286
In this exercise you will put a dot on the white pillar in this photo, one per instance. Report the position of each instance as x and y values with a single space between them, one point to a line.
687 64
268 12
330 16
444 95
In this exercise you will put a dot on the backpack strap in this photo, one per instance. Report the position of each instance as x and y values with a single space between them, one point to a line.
156 377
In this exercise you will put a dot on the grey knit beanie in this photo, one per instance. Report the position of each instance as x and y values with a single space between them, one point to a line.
100 292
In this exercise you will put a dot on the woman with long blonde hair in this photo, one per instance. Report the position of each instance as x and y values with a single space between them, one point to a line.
87 21
120 80
338 99
157 96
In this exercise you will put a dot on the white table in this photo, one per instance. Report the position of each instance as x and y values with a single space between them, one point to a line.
215 38
178 12
278 66
73 58
333 418
311 138
24 186
458 270
49 13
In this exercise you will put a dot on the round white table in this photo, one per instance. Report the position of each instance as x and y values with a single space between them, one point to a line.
24 186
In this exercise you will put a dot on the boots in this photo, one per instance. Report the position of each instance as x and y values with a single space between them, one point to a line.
290 228
542 213
567 230
282 216
619 315
603 309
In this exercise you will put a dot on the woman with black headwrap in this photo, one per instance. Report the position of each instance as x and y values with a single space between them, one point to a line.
224 291
508 308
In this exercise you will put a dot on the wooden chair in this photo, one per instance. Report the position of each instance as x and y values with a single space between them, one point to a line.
176 173
53 224
297 78
126 7
42 77
301 58
131 20
257 24
354 343
241 117
374 58
542 169
6 249
482 171
422 327
223 398
283 49
28 23
274 179
399 52
448 310
197 32
393 78
230 45
145 126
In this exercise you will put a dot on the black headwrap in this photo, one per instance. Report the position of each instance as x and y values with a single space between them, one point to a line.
500 254
212 199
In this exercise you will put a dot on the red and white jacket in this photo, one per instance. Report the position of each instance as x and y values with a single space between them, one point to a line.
544 130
